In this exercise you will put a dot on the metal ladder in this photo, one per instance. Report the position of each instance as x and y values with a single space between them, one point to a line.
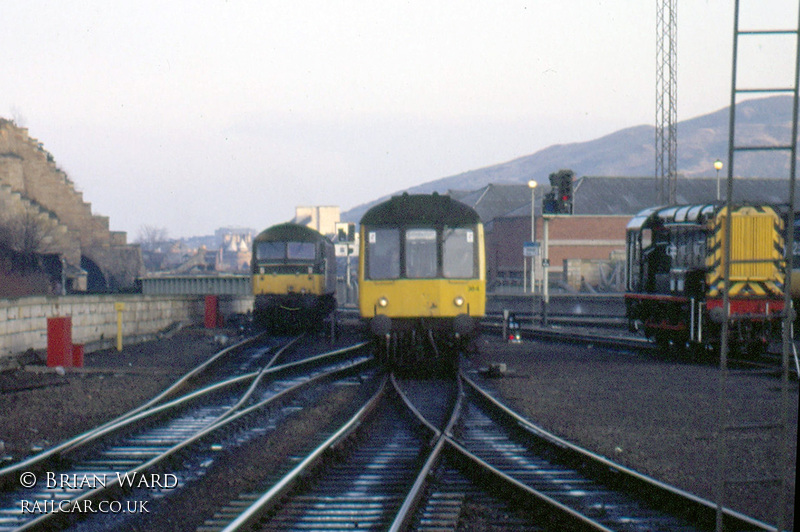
781 428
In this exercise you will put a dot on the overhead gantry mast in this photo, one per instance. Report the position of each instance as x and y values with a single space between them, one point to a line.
666 100
738 145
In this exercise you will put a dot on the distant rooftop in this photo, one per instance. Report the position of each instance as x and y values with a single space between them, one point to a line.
495 200
619 196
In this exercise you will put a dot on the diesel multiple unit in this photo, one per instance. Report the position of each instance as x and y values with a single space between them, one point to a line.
422 274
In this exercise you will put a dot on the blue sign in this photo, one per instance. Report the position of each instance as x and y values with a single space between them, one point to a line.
530 249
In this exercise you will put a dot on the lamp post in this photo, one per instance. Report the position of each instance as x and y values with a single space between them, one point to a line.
532 184
717 167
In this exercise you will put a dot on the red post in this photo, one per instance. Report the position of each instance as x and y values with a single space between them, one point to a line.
77 355
212 306
59 341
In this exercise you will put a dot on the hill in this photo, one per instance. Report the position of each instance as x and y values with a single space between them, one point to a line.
631 152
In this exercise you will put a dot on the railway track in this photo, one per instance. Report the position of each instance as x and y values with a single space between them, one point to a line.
425 455
107 463
450 458
240 360
768 363
361 476
606 495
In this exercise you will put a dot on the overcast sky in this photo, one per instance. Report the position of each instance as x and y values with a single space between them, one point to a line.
192 115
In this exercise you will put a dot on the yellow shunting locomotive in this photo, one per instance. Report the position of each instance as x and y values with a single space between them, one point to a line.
422 276
675 274
294 278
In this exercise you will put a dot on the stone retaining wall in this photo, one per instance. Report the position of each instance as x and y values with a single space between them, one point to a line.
32 184
23 321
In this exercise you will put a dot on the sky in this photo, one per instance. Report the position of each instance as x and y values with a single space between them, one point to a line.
195 115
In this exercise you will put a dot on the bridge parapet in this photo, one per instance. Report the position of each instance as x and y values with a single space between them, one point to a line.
238 285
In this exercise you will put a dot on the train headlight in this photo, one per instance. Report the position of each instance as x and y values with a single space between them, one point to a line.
383 302
458 301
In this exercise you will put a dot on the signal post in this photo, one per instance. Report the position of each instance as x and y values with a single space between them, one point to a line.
545 268
557 202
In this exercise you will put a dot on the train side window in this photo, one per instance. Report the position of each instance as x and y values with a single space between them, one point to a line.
680 242
634 260
458 253
690 247
383 254
421 253
647 238
640 244
699 249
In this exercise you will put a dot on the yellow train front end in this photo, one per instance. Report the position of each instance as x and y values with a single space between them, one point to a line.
422 277
444 304
287 284
756 252
757 274
294 278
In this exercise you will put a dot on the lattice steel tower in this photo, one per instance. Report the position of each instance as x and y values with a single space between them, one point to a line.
739 143
666 100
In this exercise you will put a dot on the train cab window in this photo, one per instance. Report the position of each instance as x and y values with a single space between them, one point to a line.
383 254
458 253
300 250
270 251
421 253
690 248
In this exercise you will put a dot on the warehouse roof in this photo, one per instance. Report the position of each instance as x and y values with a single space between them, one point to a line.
495 200
621 196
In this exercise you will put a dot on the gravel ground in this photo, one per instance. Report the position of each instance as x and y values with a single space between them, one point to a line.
657 416
40 407
654 415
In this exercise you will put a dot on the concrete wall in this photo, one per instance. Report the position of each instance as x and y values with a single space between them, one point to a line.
23 321
604 275
320 218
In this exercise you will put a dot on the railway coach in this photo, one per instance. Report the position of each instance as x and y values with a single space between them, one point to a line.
675 274
294 278
422 276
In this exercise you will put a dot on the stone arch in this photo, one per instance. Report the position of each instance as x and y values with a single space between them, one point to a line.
95 278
